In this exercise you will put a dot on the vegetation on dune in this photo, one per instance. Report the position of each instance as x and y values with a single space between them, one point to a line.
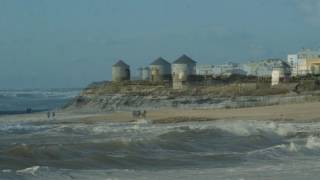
162 89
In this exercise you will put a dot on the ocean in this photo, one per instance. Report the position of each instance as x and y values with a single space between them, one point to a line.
224 149
19 101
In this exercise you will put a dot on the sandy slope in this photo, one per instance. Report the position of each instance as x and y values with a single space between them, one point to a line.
291 112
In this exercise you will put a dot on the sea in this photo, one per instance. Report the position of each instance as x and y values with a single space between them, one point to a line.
14 101
224 149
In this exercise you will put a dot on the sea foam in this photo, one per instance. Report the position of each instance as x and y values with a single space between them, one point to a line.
31 170
313 143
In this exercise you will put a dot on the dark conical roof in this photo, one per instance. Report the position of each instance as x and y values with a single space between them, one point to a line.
160 61
120 63
184 59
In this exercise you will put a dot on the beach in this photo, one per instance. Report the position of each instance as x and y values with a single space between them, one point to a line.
299 112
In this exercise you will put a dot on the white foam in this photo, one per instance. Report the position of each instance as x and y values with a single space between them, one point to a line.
6 171
246 128
143 121
313 143
32 170
21 127
292 147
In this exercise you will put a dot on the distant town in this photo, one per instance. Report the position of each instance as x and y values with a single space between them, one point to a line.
185 71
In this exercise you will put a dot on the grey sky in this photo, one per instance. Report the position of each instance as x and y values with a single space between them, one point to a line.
70 43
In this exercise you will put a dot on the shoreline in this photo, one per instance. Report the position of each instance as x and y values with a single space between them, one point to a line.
298 112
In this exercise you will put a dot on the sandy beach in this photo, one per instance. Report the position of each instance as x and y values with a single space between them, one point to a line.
302 112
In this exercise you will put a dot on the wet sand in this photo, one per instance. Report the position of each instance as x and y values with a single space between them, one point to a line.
302 112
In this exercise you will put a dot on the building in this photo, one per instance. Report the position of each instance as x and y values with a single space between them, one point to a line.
184 65
160 70
182 69
275 77
145 74
293 62
313 66
309 61
120 72
259 68
304 62
278 73
204 70
264 68
236 71
226 69
139 77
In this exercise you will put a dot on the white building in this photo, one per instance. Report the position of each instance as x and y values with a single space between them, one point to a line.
227 69
205 70
220 70
160 70
235 71
184 65
264 68
183 68
293 61
278 73
275 77
120 72
145 74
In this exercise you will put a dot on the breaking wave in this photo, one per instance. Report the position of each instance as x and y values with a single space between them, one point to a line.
26 148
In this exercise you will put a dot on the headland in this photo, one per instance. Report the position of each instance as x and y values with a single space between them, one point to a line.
114 102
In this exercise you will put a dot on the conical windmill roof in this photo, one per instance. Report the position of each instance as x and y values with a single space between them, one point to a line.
184 59
160 61
120 63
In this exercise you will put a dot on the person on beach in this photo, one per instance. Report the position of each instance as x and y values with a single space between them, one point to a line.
53 114
144 114
48 114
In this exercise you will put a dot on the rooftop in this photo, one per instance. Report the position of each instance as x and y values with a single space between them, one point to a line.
160 61
120 63
184 59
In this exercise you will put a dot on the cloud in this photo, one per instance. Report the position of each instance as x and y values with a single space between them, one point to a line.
310 9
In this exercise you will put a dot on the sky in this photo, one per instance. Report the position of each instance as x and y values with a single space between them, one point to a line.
71 43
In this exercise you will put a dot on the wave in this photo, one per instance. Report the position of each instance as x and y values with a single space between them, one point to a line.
21 128
177 146
31 170
313 143
148 146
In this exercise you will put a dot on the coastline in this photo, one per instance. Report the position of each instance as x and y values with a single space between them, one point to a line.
295 112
